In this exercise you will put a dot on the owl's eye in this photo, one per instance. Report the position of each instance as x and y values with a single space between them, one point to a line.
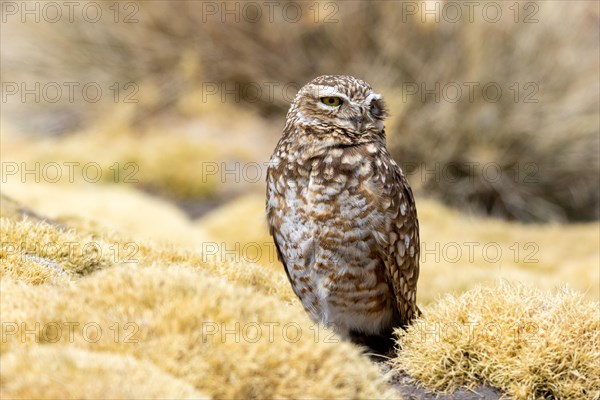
331 101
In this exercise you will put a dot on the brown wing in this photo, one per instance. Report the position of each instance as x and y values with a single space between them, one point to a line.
399 246
403 251
272 219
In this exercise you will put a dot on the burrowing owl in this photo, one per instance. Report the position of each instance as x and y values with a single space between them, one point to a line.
342 214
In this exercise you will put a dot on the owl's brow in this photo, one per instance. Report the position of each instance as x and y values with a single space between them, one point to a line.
327 91
371 97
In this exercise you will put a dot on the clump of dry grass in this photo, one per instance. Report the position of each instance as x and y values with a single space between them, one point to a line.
527 342
165 315
249 237
66 372
177 319
37 251
168 314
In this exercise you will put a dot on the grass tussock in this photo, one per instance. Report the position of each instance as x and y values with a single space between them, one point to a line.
249 238
175 319
63 372
230 328
527 342
38 251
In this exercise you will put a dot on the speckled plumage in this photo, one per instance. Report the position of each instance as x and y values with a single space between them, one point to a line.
341 212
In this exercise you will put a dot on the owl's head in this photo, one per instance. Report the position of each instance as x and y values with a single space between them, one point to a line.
339 101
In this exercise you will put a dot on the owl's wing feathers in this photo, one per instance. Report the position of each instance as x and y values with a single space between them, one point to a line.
274 221
399 246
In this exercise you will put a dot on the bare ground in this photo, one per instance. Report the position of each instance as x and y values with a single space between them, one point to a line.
411 390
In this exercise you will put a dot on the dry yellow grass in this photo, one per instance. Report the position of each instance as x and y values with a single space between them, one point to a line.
241 226
163 315
527 342
66 372
226 340
113 207
37 252
158 161
172 291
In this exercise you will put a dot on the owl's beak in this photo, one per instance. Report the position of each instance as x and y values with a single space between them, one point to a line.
359 121
371 111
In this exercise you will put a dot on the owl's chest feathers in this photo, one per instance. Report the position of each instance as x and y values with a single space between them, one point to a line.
330 179
330 204
331 197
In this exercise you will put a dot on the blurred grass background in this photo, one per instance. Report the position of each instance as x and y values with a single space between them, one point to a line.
532 155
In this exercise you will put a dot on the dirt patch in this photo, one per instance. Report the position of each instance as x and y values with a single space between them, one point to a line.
411 390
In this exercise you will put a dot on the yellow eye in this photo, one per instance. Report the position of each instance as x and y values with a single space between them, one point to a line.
331 101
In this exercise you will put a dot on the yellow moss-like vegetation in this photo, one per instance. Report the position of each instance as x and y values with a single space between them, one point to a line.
527 342
38 252
65 372
248 236
224 339
226 327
